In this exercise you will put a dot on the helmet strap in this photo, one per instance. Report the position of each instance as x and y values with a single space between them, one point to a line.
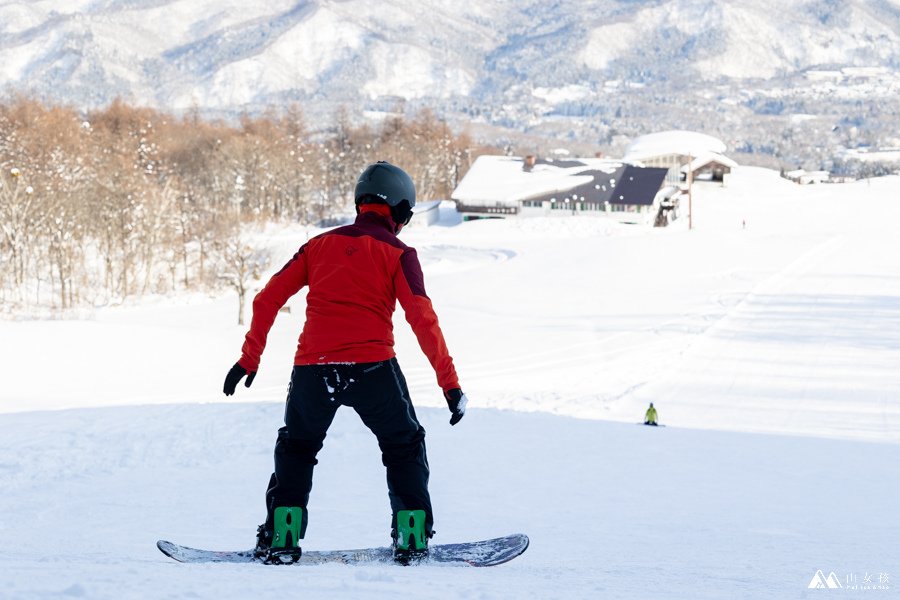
402 213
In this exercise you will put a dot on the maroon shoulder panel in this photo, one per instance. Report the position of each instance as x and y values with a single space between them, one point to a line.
412 270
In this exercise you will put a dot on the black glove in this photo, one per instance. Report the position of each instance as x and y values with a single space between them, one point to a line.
456 401
234 377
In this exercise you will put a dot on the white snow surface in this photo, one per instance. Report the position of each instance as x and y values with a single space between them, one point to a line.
768 337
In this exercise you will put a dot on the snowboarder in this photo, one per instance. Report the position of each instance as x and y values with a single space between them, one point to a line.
650 418
345 356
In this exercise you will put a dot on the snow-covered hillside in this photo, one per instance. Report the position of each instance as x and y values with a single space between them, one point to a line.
768 338
788 83
230 55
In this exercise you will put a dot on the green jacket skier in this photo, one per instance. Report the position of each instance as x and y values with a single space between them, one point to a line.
650 418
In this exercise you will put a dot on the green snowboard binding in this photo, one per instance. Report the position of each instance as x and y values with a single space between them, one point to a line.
410 538
280 545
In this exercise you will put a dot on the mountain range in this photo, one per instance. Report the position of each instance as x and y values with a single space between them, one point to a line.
585 70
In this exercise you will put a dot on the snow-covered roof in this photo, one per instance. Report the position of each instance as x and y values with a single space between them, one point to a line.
709 157
688 143
805 173
493 180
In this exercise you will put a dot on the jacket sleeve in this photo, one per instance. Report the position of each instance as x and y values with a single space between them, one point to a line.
410 287
283 284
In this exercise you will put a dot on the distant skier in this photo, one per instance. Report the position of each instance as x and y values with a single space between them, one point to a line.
345 356
650 418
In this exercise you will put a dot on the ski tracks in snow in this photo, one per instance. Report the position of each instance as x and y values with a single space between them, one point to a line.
438 259
794 329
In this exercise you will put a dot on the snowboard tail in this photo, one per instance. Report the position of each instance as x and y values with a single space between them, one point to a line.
484 553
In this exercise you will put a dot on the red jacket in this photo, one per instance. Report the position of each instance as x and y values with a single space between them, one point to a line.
355 275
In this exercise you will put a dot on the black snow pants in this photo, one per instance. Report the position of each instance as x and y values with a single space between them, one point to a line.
378 393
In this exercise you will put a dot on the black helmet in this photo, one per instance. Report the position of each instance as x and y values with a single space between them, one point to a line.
384 183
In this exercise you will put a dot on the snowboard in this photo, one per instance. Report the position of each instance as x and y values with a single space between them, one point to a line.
484 553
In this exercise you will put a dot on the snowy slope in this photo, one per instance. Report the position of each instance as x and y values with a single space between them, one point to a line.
613 510
770 350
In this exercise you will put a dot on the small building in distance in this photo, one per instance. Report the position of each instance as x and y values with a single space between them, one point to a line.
426 213
709 167
682 152
804 177
503 186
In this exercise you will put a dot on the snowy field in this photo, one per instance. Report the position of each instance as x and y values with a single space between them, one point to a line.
768 338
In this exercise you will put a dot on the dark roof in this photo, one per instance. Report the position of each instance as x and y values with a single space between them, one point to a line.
638 185
564 163
626 185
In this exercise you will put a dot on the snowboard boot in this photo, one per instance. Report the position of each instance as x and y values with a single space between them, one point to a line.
410 538
278 542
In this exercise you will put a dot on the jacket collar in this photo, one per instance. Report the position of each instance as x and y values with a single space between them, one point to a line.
377 213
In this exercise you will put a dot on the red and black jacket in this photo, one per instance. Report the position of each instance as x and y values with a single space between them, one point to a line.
355 275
